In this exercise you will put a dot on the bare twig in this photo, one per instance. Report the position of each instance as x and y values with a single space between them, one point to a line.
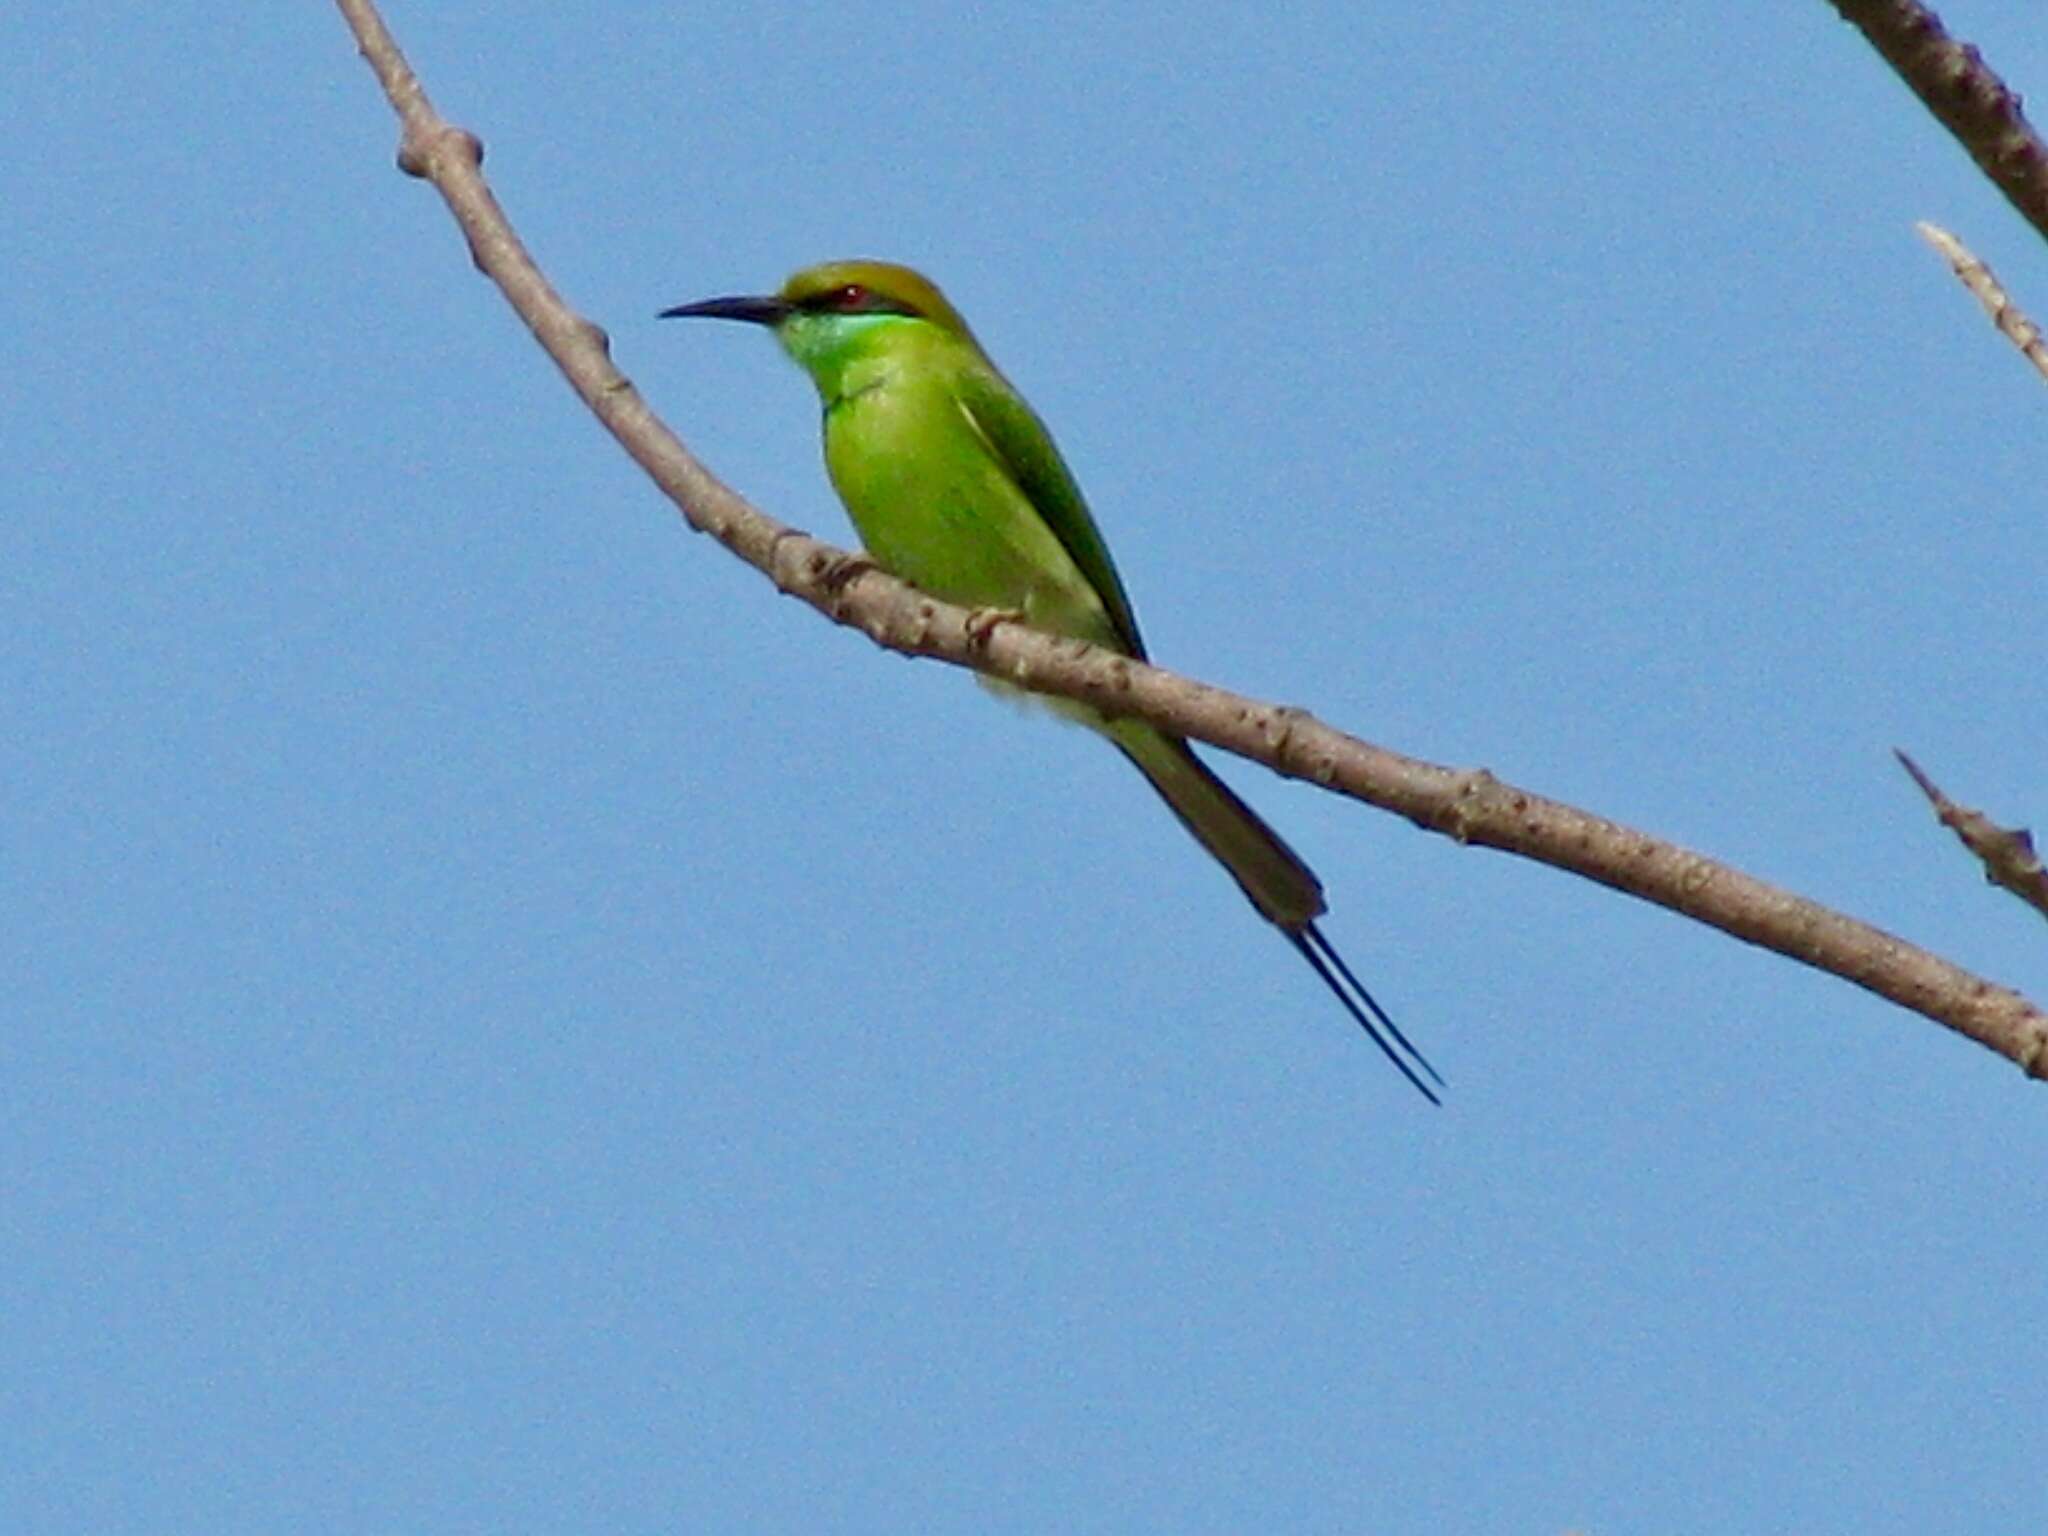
1960 89
2010 319
1472 807
2007 854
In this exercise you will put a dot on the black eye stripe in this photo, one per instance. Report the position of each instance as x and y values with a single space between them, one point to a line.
852 299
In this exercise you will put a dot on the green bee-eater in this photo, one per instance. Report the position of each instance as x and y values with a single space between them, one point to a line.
954 484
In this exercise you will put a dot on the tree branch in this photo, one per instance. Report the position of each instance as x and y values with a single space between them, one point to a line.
2007 853
1961 90
1472 807
1983 284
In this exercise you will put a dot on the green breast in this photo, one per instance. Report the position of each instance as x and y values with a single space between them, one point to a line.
933 505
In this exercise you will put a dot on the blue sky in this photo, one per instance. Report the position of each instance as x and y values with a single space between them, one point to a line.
514 1027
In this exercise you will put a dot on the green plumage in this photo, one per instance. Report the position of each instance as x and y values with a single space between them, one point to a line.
954 484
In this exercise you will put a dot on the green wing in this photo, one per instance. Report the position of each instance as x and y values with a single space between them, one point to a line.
1024 448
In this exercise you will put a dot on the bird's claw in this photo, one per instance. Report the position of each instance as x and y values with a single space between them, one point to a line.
843 572
982 622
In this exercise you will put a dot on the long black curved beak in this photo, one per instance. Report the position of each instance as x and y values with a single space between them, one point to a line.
754 309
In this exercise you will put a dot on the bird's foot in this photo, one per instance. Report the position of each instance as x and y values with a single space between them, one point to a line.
982 622
843 572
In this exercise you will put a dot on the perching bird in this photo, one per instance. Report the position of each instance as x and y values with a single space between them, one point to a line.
954 484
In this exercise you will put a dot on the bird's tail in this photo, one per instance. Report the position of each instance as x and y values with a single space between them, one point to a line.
1284 889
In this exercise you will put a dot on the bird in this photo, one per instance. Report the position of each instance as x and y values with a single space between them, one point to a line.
955 485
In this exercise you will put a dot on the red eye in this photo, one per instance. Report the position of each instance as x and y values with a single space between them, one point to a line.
852 296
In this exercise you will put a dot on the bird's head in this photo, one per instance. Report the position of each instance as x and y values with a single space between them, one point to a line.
825 308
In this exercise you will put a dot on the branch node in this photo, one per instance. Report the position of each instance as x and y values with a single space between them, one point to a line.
423 143
1278 726
1466 806
772 561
